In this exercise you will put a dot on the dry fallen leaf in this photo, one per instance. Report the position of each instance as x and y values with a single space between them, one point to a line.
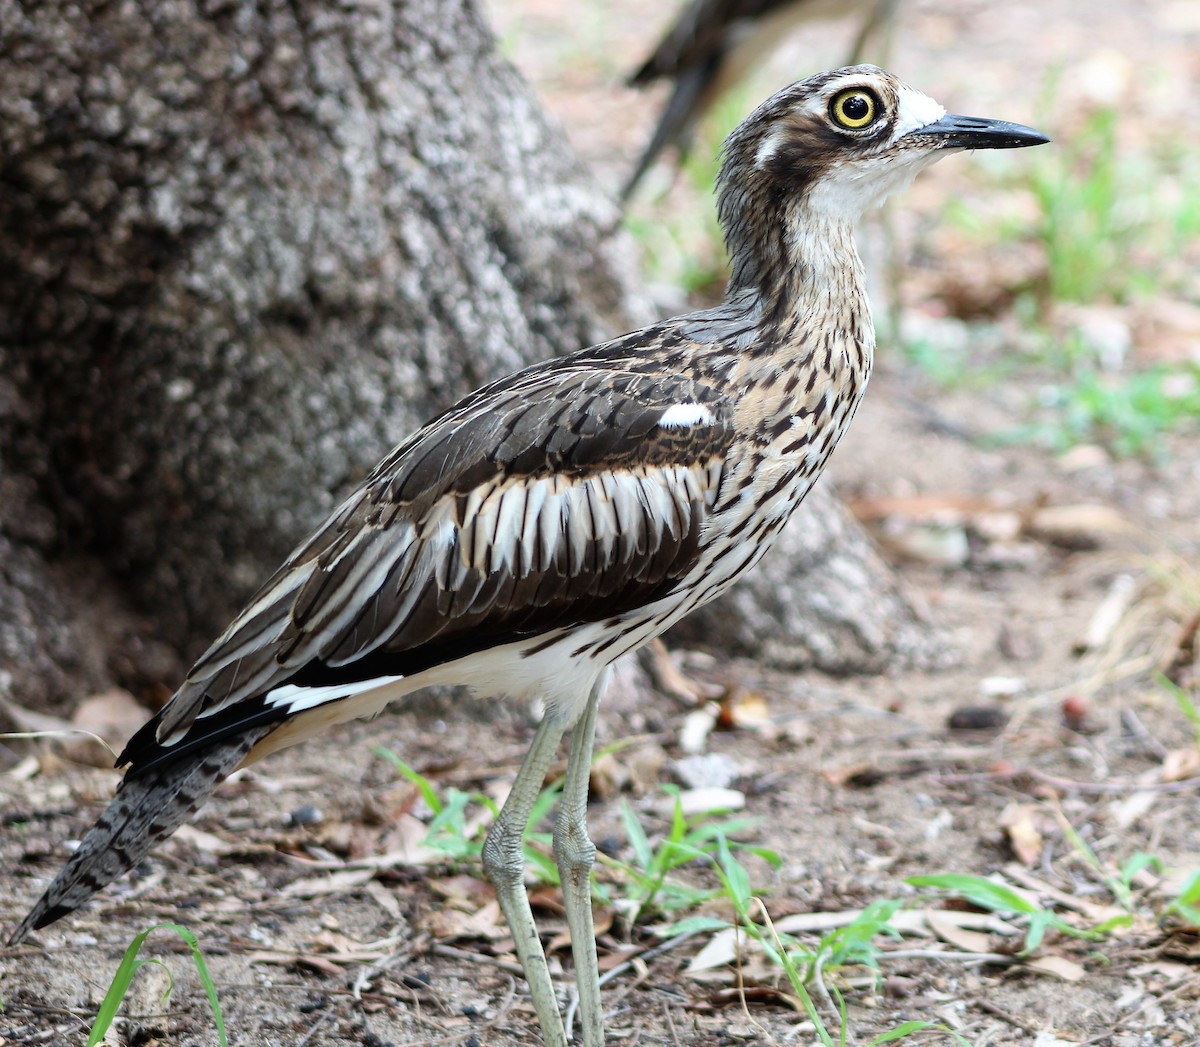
941 508
144 1003
210 843
951 931
113 714
326 950
608 777
742 708
1075 526
601 923
1180 764
462 891
485 922
1018 822
322 964
861 772
405 841
1108 614
1059 967
1035 890
1168 971
1083 456
333 883
1135 806
820 922
385 899
721 948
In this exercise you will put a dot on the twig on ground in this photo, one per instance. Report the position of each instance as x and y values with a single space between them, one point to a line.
1003 1015
473 957
312 1031
670 1024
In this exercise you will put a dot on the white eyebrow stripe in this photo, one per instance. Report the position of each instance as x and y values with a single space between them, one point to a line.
768 147
685 416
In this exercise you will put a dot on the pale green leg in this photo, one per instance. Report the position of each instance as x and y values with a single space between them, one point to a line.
575 854
504 861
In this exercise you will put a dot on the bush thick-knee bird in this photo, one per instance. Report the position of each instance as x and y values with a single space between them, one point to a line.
554 520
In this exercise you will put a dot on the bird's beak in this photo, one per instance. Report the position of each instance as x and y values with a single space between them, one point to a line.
972 132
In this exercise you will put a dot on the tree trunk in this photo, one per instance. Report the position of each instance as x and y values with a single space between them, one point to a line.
246 247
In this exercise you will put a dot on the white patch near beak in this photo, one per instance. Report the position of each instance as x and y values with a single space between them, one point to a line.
914 111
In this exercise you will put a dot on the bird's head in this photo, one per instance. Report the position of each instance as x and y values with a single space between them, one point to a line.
826 149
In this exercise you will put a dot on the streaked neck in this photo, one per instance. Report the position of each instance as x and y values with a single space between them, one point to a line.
799 270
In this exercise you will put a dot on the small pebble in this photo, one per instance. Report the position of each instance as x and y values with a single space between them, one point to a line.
695 802
609 845
977 718
306 816
707 770
899 987
1075 711
1001 686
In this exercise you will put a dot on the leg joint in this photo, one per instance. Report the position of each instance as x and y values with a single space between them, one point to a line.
503 857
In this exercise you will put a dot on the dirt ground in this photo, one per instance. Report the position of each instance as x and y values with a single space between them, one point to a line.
1034 750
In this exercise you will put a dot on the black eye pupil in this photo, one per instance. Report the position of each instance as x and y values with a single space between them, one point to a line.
856 107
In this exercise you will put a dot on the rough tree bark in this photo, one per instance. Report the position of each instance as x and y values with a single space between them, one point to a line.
244 247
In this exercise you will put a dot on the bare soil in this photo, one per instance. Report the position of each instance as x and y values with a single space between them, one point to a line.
856 783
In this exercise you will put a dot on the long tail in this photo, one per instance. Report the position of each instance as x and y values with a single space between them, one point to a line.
148 807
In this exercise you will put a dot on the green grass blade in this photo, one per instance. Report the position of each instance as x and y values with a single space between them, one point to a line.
129 966
693 925
122 979
734 876
636 836
987 894
1184 701
546 799
899 1032
423 784
448 828
210 987
1187 905
910 1027
679 825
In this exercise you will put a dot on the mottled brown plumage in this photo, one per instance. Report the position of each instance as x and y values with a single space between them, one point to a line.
554 520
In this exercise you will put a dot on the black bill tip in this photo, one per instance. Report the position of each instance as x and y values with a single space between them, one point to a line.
973 132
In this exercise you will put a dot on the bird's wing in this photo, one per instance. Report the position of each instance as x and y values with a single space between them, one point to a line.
700 31
695 54
564 494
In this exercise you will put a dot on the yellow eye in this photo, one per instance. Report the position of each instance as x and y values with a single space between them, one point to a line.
854 109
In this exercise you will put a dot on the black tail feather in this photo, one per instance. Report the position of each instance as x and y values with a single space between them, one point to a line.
146 810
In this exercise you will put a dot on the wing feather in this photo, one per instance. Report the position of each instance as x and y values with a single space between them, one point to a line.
552 499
